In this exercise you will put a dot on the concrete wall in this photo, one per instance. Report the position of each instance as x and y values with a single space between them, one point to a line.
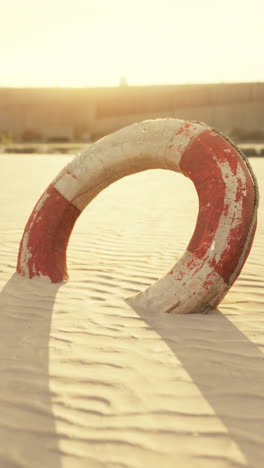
80 114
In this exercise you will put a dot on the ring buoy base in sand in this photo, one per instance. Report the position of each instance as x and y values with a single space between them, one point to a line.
225 225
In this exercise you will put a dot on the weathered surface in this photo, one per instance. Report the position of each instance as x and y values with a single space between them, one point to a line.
216 252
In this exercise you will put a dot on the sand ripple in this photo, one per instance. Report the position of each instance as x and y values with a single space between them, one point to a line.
85 381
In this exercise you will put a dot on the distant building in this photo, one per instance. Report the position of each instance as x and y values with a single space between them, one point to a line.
123 81
85 114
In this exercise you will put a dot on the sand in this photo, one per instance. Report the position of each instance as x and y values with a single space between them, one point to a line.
85 381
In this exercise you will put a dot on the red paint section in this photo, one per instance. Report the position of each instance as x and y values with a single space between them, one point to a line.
48 230
201 164
246 253
198 164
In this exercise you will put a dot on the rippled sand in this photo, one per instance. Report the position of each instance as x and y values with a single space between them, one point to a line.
85 381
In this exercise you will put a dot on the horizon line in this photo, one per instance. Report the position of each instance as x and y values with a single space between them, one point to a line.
122 86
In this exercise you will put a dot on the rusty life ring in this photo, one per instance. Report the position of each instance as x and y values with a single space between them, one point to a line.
226 221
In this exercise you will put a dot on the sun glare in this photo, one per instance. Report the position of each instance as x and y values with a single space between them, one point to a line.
84 44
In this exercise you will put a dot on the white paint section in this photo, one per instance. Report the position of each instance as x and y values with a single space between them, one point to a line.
147 145
185 295
25 255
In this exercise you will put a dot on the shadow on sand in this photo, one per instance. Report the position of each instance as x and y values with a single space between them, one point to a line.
227 368
224 364
27 425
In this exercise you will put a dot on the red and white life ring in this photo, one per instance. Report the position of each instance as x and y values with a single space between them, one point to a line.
225 225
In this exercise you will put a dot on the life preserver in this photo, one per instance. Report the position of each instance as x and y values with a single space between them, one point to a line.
225 225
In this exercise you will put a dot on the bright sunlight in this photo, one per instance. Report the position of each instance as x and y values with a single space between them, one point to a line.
84 43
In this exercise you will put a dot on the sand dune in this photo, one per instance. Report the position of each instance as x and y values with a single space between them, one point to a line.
85 380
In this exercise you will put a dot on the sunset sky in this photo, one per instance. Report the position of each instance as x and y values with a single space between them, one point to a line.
94 43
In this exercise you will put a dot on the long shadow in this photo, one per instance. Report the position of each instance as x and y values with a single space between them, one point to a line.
227 368
27 425
225 365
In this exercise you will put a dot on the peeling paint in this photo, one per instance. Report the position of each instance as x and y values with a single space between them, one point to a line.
199 280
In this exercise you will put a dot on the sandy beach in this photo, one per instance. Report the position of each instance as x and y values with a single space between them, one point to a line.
85 381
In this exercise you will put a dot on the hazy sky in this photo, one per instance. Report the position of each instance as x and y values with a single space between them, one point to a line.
89 43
